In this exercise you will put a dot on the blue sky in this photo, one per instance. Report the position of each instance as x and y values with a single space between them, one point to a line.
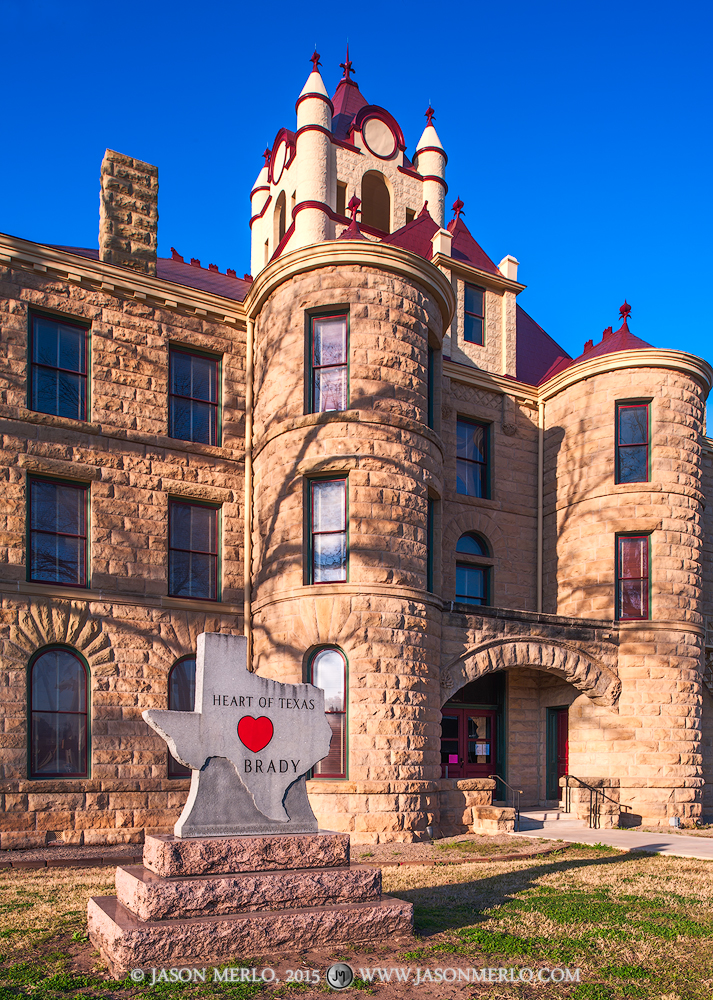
578 134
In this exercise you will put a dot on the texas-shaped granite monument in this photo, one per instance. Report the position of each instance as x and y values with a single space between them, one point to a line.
247 871
249 742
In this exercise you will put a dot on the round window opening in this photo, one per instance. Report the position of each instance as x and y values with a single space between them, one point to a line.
379 138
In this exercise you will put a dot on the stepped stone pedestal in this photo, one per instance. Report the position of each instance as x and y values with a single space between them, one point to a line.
215 899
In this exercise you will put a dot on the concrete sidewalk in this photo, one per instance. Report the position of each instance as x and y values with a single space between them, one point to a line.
677 844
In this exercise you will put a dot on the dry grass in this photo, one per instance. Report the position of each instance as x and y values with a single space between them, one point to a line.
638 926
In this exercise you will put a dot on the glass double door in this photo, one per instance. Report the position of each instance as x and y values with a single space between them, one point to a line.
468 739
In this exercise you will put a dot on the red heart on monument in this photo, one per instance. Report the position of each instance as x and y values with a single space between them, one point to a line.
255 734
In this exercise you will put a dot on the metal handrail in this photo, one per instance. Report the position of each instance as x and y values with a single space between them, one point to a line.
515 801
595 794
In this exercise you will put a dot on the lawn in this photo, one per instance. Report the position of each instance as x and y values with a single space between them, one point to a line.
637 926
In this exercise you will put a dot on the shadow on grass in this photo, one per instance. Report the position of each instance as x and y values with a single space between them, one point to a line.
440 913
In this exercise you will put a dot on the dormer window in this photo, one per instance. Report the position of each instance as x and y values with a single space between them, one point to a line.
474 315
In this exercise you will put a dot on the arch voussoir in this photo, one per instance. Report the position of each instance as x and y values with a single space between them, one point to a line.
588 674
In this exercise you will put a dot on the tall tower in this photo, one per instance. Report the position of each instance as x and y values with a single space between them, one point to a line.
430 161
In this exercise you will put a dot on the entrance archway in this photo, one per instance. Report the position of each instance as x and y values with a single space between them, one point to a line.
581 669
521 734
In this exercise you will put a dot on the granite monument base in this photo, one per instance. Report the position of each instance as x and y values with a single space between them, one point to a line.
218 899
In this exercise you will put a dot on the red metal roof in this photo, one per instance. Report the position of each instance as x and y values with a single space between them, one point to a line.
536 352
465 248
620 340
416 236
191 275
348 102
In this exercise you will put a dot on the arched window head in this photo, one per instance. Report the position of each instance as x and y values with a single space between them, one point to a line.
328 670
59 717
181 698
375 201
473 582
472 545
280 218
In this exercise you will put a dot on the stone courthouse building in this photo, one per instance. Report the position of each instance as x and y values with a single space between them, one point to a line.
371 461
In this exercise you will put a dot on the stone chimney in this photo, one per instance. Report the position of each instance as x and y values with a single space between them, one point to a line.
128 213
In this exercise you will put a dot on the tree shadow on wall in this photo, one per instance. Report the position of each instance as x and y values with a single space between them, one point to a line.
279 549
574 561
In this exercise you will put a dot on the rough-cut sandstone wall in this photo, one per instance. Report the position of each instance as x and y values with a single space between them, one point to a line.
129 631
653 744
382 618
128 212
492 355
508 518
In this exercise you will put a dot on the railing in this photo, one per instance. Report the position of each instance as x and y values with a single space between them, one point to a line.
596 800
514 795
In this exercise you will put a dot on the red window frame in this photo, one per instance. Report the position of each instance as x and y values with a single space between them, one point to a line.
313 534
31 531
84 712
342 773
313 368
621 408
643 542
82 373
172 504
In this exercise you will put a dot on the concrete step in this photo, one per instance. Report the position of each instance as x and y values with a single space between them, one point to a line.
545 819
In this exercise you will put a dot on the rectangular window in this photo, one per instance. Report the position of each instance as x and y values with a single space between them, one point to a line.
328 530
341 198
58 532
328 363
474 314
429 544
431 384
193 397
632 442
632 577
58 367
193 550
471 584
472 458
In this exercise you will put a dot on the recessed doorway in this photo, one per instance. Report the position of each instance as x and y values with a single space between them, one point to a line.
557 750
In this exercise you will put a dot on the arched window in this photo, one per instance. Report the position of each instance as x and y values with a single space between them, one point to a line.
375 201
279 217
472 579
181 698
59 717
329 671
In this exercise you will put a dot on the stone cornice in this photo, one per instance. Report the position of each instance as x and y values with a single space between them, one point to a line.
480 379
331 591
359 253
495 282
351 416
19 414
111 278
680 361
52 592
